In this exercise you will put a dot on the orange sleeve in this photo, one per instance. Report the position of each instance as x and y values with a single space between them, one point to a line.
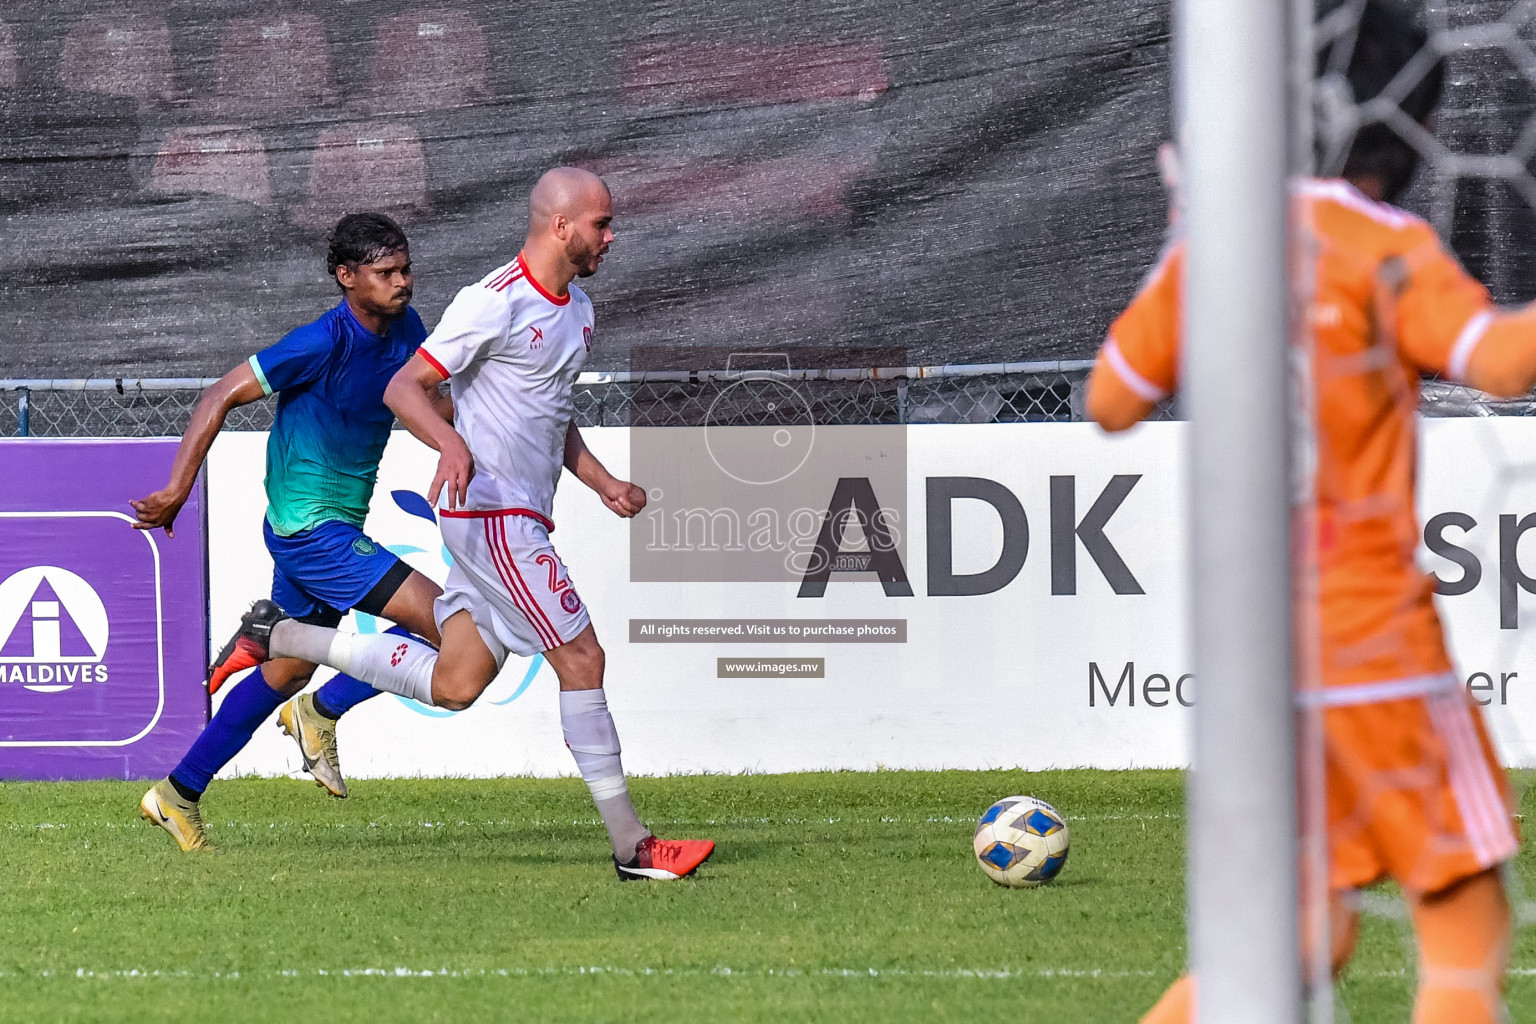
1141 352
1442 312
1502 361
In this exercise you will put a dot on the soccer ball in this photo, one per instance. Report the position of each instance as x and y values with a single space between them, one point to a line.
1021 842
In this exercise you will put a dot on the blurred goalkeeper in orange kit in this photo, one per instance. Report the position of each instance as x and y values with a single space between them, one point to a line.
1414 789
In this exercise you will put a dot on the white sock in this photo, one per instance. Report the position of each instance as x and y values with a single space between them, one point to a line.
594 743
385 661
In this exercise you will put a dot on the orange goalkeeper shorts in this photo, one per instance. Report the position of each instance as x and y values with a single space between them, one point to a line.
1415 791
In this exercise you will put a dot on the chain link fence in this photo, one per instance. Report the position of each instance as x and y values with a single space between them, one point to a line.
1041 392
1047 391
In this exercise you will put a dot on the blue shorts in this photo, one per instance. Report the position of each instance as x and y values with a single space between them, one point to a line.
320 573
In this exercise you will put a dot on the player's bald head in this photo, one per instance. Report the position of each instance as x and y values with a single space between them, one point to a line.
570 217
565 192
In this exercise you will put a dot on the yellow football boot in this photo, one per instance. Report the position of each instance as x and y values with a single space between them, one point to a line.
177 815
316 736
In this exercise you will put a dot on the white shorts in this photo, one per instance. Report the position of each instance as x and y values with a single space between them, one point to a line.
507 575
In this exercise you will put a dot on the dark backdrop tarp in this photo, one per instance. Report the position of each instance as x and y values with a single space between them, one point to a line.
974 182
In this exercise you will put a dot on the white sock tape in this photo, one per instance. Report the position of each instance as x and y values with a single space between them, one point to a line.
339 654
608 788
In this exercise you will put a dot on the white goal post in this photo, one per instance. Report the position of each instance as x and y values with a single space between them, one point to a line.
1233 78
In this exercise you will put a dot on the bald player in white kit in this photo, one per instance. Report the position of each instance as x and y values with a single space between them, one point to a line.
511 346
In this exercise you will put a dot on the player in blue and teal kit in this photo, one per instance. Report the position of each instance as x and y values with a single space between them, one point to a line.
323 457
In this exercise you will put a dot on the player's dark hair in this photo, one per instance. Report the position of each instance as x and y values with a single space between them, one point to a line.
1384 41
360 238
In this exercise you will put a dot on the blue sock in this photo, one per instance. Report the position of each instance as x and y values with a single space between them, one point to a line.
246 707
340 694
343 693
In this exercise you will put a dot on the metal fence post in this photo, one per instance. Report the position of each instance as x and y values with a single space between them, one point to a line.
23 413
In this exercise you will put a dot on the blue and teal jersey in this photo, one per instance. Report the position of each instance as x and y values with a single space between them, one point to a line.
331 424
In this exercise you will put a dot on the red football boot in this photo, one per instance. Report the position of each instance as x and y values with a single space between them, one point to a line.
249 647
665 860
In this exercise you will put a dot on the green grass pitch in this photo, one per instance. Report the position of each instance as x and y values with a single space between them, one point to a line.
838 897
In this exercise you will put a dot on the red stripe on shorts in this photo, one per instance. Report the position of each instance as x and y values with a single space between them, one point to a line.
519 594
529 593
497 554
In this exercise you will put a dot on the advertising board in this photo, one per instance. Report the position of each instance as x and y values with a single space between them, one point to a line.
102 627
1040 625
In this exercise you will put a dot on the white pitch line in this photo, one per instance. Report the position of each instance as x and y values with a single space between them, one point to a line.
593 970
850 973
549 822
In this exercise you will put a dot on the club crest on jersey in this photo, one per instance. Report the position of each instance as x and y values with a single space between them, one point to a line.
569 601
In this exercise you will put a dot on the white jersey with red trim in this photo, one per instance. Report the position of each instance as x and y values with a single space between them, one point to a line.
511 352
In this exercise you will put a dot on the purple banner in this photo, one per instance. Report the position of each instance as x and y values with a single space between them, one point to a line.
103 631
